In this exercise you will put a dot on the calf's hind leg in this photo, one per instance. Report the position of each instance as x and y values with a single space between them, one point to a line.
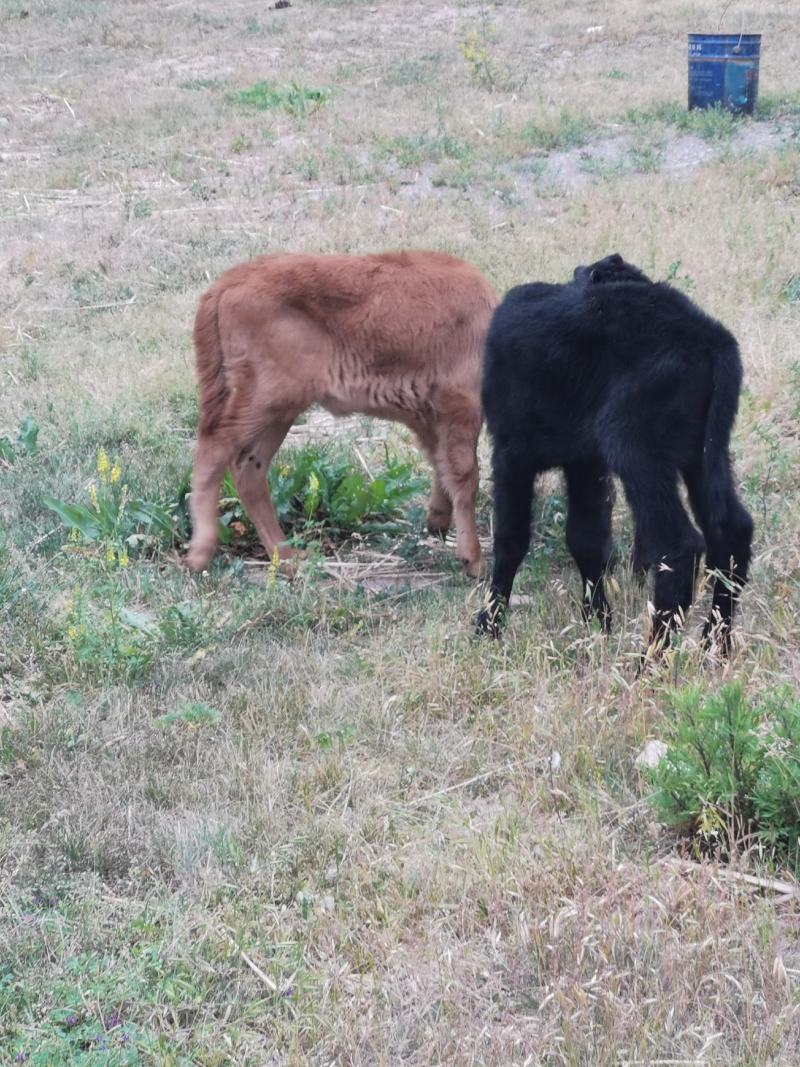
513 496
212 455
440 506
250 475
728 540
667 541
456 459
590 494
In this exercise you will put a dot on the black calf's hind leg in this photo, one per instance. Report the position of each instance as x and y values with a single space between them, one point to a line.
590 494
729 541
667 542
513 496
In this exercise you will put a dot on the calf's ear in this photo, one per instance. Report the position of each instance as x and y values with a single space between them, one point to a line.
593 276
616 260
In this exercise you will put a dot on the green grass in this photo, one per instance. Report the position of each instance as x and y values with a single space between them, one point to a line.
410 151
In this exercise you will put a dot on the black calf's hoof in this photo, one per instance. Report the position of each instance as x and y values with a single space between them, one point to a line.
716 636
489 622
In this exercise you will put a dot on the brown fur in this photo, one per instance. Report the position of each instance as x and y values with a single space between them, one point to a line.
398 336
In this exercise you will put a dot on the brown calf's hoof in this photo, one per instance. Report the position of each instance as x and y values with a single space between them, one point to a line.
475 568
437 529
198 560
438 522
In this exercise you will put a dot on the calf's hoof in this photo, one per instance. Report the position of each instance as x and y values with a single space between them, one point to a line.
288 568
198 559
438 523
489 621
716 637
475 568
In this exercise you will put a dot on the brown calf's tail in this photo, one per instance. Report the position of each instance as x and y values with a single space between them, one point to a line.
209 362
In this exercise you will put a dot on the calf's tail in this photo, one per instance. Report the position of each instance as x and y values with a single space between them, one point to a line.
209 361
721 415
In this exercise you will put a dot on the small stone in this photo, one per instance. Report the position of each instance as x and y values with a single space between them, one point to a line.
652 754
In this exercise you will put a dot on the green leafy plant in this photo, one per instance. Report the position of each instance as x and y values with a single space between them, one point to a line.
790 291
683 281
731 773
114 519
295 99
317 493
25 442
107 639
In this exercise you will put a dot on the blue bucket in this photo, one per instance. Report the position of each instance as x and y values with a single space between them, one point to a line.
723 69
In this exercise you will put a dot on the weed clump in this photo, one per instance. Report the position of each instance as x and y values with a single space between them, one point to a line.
568 131
297 100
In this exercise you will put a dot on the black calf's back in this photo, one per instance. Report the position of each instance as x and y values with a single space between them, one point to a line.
613 373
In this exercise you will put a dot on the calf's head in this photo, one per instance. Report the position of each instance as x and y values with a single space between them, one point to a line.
612 268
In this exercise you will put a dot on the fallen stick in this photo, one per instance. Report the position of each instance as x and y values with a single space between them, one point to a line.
777 885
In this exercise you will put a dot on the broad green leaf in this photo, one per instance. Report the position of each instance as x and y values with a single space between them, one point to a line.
75 516
28 434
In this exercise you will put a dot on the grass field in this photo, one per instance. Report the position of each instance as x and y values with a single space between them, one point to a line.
250 822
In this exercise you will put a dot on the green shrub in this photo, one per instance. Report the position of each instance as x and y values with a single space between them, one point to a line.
731 773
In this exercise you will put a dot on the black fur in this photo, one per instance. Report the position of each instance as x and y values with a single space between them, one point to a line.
615 374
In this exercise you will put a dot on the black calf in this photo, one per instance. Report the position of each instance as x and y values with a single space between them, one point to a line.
615 374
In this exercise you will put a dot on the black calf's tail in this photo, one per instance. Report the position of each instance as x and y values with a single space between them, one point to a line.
726 385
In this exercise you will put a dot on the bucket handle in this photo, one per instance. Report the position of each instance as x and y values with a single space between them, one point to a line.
738 46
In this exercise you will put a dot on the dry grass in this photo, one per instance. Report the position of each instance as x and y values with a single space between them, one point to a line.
371 854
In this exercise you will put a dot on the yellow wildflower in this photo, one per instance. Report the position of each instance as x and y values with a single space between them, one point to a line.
274 564
102 464
74 535
116 472
109 554
93 496
123 557
72 632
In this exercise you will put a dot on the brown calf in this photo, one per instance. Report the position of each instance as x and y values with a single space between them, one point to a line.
399 336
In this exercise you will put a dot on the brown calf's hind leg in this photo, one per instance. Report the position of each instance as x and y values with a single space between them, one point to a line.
212 456
250 475
440 506
457 458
